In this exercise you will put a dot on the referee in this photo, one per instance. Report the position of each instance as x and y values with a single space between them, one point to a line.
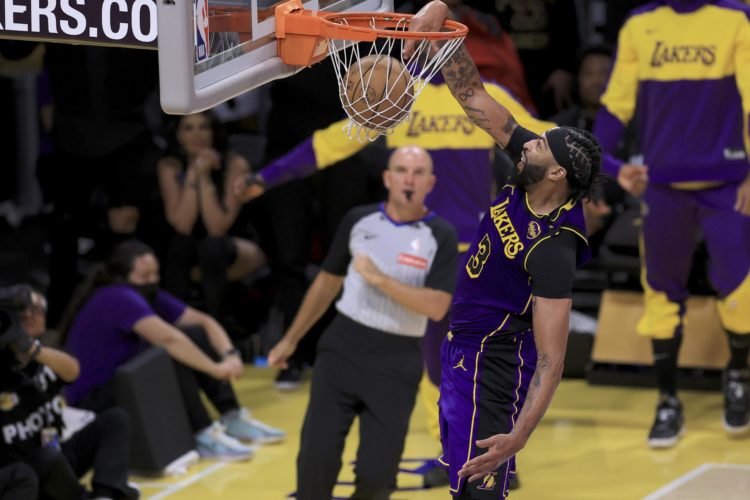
396 263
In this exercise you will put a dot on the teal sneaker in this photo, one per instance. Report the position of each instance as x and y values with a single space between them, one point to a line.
241 425
213 442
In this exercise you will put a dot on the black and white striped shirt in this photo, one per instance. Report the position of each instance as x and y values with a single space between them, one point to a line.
420 253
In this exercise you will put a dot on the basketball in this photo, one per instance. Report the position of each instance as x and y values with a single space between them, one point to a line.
377 92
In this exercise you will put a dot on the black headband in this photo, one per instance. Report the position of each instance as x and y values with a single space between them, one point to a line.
559 147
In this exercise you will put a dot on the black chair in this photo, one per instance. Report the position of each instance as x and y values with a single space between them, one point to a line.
148 390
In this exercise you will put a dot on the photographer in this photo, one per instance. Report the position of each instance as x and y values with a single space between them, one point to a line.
31 410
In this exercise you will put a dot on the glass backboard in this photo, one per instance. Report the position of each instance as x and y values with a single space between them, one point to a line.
213 50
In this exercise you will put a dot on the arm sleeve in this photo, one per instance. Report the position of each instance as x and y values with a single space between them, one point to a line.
324 148
442 275
338 258
742 72
619 99
552 265
608 129
518 138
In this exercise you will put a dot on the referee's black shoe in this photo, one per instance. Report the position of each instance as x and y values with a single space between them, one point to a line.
669 424
737 401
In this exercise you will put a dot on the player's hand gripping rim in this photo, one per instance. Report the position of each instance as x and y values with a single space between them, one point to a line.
429 18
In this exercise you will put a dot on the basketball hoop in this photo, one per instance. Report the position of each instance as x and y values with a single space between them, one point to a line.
306 37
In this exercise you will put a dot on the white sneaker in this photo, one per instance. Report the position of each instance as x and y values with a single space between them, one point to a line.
241 425
213 442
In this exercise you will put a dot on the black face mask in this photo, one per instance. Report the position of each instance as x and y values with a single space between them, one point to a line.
148 291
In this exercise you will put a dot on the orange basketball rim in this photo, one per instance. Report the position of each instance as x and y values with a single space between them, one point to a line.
305 37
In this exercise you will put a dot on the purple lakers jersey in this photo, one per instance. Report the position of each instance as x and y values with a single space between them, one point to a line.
494 288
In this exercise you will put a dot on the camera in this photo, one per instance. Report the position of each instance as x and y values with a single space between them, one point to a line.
13 301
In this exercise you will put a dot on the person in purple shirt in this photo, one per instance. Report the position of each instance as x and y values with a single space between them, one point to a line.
503 356
122 318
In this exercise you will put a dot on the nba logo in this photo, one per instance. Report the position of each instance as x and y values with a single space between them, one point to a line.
201 30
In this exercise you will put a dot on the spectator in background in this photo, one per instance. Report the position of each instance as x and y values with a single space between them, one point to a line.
690 80
99 173
122 318
31 376
241 114
594 66
545 33
195 176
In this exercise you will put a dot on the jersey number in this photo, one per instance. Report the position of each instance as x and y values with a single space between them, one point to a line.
477 260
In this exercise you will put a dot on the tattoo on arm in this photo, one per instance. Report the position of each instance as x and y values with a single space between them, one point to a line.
479 116
463 78
542 366
510 125
461 75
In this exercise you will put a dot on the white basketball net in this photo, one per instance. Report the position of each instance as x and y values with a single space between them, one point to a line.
369 120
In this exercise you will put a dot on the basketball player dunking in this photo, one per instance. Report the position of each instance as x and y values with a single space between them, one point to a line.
503 357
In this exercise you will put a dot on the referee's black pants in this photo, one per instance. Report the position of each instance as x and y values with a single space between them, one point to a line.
361 372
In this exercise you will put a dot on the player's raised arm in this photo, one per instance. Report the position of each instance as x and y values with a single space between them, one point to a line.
463 78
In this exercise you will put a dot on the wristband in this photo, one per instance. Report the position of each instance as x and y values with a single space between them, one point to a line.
37 348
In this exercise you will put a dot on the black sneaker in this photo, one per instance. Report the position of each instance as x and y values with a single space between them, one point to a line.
736 401
289 378
435 477
669 423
